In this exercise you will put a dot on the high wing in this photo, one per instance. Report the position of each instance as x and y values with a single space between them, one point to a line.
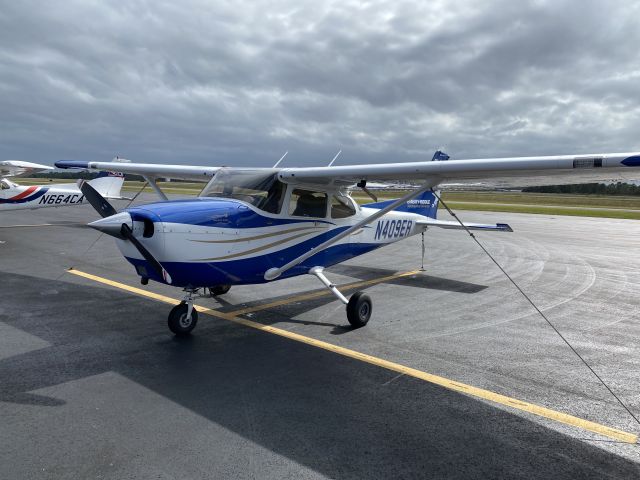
499 172
149 170
480 173
18 168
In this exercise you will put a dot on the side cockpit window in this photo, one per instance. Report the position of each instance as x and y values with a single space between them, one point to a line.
260 188
306 203
341 207
4 185
271 202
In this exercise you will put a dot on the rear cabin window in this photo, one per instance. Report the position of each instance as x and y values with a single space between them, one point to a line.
305 203
341 207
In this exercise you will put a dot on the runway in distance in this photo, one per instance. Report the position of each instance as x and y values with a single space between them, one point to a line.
257 225
18 197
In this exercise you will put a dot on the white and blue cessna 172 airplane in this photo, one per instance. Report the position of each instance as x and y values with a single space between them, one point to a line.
17 197
256 225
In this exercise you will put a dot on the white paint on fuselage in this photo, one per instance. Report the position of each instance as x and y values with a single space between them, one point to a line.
54 196
186 243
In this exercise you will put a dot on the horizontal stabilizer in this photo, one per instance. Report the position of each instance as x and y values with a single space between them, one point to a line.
501 227
18 168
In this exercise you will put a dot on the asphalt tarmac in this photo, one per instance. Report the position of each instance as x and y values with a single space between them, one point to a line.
93 385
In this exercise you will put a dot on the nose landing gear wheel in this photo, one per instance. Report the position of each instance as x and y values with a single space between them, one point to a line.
359 309
179 323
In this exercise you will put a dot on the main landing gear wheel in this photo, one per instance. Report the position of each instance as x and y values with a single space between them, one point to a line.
179 323
359 309
219 290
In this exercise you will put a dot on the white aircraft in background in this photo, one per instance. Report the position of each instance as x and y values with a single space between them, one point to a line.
251 226
16 197
18 168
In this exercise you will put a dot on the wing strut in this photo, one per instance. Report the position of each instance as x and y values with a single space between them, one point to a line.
274 273
317 271
154 185
363 185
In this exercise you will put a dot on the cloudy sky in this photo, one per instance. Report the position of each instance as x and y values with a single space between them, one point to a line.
239 83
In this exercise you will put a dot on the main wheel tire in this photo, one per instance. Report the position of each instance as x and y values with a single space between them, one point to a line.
178 322
219 290
359 309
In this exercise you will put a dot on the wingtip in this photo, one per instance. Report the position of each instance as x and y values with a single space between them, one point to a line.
71 164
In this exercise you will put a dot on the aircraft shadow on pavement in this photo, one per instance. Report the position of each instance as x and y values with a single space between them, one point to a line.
287 312
420 280
335 415
284 313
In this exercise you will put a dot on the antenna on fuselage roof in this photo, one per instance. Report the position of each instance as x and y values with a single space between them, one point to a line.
281 158
334 158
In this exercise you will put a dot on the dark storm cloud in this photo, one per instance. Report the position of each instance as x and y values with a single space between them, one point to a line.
222 82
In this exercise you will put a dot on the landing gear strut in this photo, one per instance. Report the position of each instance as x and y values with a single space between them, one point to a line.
183 317
359 306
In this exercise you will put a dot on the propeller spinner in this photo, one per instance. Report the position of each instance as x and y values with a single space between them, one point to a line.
119 225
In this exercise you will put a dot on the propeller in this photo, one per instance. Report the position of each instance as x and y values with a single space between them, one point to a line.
119 225
97 201
127 233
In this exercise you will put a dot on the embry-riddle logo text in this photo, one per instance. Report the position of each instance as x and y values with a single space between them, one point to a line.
423 202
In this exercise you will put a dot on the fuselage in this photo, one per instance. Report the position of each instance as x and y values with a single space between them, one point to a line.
16 197
213 241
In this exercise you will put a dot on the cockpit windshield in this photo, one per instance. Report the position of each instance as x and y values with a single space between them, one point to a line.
6 184
260 188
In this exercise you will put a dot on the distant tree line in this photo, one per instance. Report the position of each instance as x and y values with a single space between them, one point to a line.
589 188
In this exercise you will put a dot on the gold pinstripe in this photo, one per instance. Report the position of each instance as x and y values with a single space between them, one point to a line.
258 237
257 249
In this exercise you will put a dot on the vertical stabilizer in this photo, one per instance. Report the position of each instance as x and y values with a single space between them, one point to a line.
108 184
425 205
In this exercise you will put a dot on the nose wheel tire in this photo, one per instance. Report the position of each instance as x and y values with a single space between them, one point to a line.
359 309
179 323
219 290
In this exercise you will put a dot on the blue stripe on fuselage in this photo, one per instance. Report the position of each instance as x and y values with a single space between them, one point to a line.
251 270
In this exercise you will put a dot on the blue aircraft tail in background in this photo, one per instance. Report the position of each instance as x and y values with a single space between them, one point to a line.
426 204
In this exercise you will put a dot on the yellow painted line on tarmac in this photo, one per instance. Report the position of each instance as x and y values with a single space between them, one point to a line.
146 293
560 417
